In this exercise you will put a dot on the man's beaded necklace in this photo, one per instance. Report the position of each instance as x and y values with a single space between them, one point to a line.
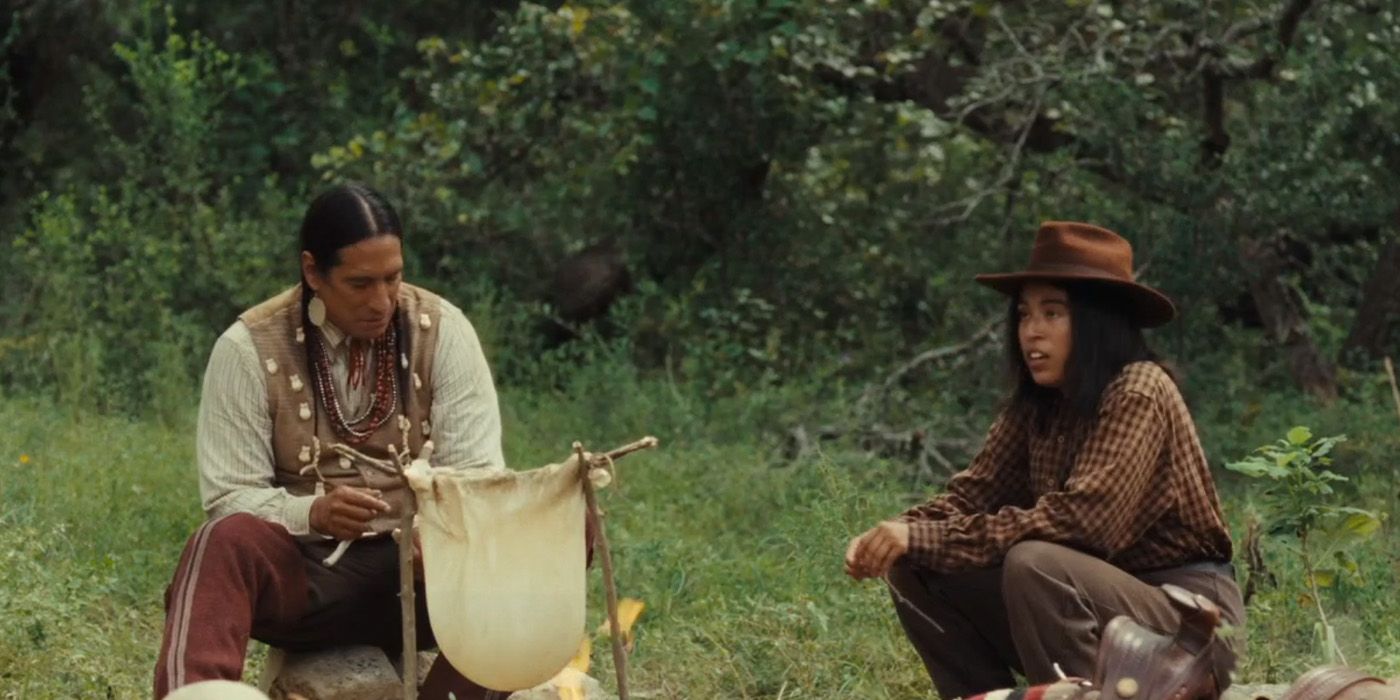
385 402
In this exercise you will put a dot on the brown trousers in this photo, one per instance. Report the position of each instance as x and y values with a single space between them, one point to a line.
241 577
1046 604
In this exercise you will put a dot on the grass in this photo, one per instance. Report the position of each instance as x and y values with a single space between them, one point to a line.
736 554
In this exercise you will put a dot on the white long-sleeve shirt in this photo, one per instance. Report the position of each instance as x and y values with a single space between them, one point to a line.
234 439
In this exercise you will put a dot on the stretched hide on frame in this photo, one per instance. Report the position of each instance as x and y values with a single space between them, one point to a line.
503 558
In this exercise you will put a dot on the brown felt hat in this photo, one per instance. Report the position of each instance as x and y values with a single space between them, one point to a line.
1072 251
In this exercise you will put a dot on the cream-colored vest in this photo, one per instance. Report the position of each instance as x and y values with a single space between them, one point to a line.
297 421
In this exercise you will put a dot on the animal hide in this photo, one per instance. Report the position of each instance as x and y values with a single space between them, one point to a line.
504 565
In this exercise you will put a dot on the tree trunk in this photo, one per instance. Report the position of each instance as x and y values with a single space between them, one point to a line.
1284 318
1379 308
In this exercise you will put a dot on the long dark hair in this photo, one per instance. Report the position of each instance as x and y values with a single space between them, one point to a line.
343 216
338 218
1103 338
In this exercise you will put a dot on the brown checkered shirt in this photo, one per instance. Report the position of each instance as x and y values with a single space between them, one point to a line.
1134 489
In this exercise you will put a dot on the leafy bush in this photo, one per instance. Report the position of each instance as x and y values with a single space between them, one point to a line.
801 189
1298 507
129 281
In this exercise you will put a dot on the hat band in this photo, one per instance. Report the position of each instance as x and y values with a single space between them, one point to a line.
1075 270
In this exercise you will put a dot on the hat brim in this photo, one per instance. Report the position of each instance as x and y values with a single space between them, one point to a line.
1150 307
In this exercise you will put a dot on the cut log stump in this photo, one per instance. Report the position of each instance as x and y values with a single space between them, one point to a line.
366 673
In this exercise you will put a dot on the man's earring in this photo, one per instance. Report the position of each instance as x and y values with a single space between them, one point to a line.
316 311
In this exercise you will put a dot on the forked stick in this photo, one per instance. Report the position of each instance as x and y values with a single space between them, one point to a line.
397 465
609 584
645 443
407 603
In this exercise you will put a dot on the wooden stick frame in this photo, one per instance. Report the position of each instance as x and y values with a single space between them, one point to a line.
397 465
408 595
605 554
408 579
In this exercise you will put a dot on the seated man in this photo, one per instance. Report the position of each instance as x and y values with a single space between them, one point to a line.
352 355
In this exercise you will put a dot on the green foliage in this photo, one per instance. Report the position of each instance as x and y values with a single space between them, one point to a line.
736 555
803 192
1325 532
8 115
741 576
604 121
799 188
127 281
1283 630
94 513
1298 464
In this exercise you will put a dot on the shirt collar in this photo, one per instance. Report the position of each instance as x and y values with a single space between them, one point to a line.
334 336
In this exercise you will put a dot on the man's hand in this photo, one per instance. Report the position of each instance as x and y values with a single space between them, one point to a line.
872 554
346 511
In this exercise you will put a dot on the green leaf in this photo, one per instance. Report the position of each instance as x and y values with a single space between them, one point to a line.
1248 467
1324 578
1299 435
1347 563
1362 524
1324 446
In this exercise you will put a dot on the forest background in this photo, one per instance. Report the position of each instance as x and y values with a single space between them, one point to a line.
746 226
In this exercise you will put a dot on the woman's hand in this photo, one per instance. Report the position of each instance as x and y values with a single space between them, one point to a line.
871 554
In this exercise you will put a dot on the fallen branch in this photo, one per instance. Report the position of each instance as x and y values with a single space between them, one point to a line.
1258 575
912 445
985 331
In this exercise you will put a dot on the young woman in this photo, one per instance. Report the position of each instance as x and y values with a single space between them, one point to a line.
1091 490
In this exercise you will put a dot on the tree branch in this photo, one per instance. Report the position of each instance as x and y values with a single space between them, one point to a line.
1217 139
985 331
1287 21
